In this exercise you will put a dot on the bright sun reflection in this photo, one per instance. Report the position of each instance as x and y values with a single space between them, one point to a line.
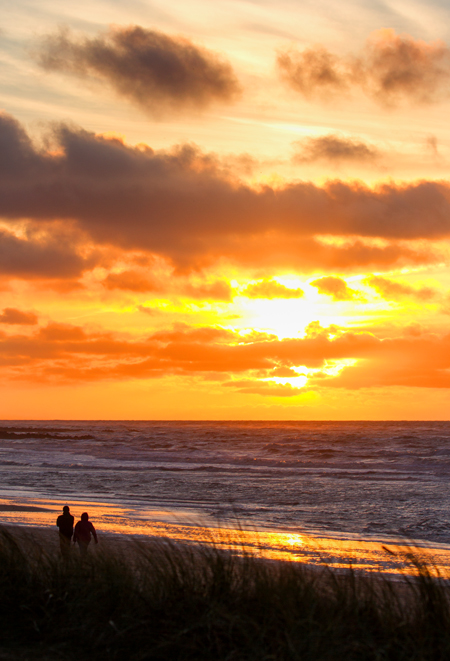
295 540
188 528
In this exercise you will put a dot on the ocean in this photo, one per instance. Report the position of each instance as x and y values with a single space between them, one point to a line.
363 483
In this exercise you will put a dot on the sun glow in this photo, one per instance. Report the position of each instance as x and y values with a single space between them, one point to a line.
299 381
283 318
290 317
215 228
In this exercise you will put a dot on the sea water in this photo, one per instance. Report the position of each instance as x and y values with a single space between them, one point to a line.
366 481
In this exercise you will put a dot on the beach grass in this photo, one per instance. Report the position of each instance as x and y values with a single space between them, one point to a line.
163 601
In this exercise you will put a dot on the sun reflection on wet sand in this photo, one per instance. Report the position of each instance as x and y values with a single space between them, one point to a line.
393 556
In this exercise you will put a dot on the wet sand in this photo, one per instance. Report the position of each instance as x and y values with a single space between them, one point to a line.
392 560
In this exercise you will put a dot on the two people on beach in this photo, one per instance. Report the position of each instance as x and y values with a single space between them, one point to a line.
82 534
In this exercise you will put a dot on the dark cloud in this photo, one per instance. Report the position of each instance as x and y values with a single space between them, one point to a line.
270 289
18 317
179 205
337 288
314 71
395 291
149 68
17 153
43 258
391 68
397 66
333 148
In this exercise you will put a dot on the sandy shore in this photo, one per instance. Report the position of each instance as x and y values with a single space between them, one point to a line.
368 557
48 539
215 605
117 525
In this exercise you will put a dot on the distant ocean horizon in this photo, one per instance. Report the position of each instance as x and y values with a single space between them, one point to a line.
361 480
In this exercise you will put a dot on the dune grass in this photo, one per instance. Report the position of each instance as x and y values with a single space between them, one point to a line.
165 601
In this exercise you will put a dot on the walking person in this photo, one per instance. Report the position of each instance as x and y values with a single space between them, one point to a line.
65 524
83 531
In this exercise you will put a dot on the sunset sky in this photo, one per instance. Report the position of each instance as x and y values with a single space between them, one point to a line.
229 209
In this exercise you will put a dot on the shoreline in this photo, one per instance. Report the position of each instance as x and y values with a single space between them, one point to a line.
389 560
173 601
139 518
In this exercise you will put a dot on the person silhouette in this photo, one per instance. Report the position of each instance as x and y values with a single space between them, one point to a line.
82 534
65 524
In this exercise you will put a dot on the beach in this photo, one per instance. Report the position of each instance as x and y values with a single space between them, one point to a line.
387 557
226 541
155 598
224 330
314 493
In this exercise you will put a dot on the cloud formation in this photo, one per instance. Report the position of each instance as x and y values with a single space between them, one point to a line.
65 353
270 289
392 68
152 70
18 317
129 281
337 288
134 281
313 71
264 388
219 290
48 257
333 148
395 291
163 202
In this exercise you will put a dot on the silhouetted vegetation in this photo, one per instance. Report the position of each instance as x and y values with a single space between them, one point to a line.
165 601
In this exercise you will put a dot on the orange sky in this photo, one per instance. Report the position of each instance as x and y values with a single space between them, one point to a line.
228 210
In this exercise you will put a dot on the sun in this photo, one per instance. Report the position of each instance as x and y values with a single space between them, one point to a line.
258 305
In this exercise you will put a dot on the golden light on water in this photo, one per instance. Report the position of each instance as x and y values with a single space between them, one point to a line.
386 556
295 540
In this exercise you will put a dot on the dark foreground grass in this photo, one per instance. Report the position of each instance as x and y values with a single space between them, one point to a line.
164 601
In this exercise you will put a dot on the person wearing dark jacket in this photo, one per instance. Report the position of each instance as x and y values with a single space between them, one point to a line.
83 531
65 524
